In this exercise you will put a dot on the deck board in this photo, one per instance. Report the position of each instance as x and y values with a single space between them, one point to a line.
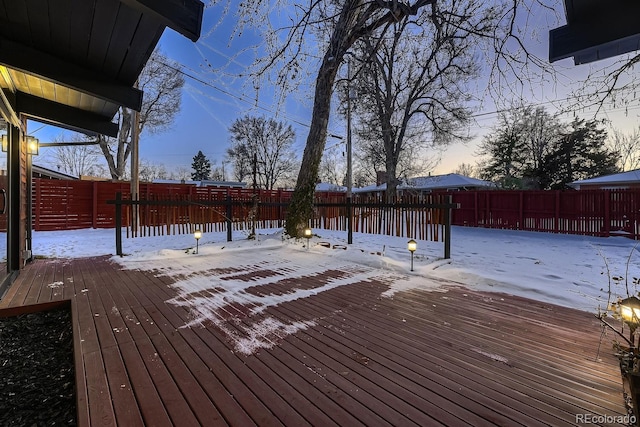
450 357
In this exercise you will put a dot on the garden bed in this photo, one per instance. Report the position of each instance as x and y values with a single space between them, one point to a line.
37 374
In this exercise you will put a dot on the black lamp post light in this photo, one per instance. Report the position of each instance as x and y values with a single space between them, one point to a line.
307 233
198 235
628 311
412 245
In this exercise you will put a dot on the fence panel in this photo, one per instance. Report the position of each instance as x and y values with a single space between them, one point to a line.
63 205
59 205
586 212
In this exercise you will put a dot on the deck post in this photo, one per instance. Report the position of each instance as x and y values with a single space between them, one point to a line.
447 227
118 223
349 220
229 217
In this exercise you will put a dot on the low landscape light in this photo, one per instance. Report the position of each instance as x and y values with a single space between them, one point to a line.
307 233
198 235
630 311
412 245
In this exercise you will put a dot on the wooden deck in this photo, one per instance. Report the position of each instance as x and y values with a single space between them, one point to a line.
418 358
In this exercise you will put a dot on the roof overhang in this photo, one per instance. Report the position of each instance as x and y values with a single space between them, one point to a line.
74 63
596 30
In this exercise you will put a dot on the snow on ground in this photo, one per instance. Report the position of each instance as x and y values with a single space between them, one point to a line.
563 269
573 271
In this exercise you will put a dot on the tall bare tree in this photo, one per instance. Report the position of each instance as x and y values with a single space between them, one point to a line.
627 147
412 83
333 166
328 29
181 173
150 171
162 84
78 159
467 169
263 145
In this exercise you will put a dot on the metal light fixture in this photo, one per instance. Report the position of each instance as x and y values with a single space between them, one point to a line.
412 245
198 235
33 145
630 311
307 233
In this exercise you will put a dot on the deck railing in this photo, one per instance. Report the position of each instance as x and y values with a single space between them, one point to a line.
414 218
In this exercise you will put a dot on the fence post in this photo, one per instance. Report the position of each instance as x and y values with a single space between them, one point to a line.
475 208
521 211
349 221
229 216
94 213
556 227
119 223
607 213
447 227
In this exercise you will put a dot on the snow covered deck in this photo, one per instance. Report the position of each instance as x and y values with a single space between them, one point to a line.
149 352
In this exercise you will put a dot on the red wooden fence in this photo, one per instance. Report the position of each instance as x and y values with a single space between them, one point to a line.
59 205
588 212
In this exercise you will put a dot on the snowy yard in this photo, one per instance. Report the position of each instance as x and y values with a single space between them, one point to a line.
561 269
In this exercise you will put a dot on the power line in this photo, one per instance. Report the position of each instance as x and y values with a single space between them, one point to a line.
307 125
241 98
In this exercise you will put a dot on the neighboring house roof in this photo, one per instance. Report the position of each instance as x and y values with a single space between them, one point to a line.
451 180
174 181
50 173
205 183
210 183
371 188
325 186
436 182
616 179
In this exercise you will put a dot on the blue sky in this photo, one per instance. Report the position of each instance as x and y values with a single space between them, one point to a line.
209 109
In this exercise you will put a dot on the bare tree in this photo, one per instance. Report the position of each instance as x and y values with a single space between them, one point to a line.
181 173
333 166
328 29
412 160
162 84
241 160
539 132
77 159
412 84
466 169
264 145
627 147
150 171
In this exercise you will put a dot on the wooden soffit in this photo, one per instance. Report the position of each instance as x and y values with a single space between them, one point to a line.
74 63
596 30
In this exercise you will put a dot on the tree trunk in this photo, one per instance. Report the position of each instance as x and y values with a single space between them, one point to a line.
118 162
301 207
342 38
352 25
